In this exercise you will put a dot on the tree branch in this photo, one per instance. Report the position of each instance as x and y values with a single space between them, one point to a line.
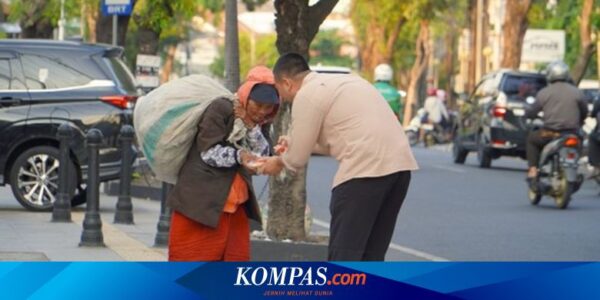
391 42
586 26
317 14
587 47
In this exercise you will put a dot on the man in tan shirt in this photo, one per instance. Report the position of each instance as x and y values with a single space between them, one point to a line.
345 117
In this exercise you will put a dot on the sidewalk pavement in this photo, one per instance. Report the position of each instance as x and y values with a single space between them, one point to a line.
31 236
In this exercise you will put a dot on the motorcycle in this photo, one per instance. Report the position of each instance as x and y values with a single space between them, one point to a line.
431 134
558 175
413 129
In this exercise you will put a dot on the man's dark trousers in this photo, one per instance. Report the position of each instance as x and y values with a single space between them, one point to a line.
363 216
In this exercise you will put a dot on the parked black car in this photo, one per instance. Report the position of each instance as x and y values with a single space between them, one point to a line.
492 121
44 84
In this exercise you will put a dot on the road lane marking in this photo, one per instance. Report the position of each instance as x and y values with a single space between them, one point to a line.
407 250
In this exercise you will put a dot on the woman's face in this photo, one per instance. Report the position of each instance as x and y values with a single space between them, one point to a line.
258 111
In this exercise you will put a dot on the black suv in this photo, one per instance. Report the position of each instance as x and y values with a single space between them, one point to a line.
492 121
46 83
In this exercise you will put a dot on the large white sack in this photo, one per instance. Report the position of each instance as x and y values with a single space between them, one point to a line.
166 121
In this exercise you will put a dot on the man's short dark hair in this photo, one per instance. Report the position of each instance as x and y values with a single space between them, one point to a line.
289 65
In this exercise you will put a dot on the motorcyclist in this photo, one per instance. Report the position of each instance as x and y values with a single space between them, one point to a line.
564 110
383 78
437 113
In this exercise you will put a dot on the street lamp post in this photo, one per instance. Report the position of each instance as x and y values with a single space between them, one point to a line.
61 22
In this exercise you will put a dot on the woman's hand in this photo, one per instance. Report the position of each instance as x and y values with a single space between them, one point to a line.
250 161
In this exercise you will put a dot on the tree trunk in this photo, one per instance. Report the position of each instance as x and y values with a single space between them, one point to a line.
598 54
472 10
514 28
296 24
587 45
232 48
104 29
418 69
167 68
90 17
449 64
148 41
378 44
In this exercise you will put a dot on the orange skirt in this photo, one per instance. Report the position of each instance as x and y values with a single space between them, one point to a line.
193 241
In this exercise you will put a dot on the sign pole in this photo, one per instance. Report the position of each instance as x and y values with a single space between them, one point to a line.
114 30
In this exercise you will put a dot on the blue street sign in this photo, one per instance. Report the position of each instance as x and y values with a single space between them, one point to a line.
116 7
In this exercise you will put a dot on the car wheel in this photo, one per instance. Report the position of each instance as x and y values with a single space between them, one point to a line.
459 153
484 156
34 178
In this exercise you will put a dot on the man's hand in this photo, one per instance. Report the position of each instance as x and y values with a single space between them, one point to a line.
270 165
241 113
282 145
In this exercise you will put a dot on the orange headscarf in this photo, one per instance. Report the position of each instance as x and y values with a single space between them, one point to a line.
256 75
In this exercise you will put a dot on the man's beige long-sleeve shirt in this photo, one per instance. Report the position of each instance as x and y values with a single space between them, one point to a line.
344 116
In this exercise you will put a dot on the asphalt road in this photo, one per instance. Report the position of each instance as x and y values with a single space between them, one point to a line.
464 213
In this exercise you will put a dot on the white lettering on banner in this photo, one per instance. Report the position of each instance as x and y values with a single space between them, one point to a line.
274 276
242 276
277 278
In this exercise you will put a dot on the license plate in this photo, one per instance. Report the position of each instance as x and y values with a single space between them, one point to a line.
519 112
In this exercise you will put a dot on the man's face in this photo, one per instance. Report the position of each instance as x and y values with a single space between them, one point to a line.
285 88
258 111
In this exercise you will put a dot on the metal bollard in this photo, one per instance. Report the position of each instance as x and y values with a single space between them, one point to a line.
62 206
92 224
124 214
164 221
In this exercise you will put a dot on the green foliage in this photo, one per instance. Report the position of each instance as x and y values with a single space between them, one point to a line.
31 12
326 48
164 16
265 54
214 6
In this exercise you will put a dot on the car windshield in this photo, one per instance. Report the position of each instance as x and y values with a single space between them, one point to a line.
521 87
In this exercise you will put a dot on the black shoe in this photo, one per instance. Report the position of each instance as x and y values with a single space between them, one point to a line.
533 184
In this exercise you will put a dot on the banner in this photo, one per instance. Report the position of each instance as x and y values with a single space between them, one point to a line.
393 280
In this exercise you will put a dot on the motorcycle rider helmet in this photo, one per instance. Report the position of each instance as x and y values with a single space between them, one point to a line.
441 94
383 72
431 91
557 71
